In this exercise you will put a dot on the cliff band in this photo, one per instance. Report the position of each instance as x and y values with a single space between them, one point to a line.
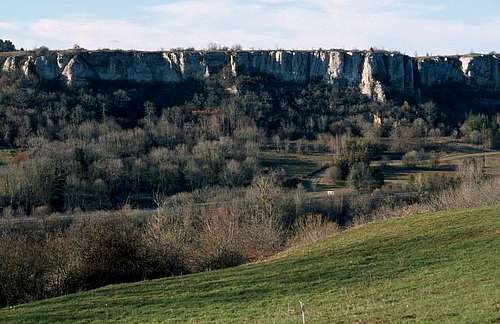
375 73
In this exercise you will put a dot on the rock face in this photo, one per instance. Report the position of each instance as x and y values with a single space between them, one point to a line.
375 73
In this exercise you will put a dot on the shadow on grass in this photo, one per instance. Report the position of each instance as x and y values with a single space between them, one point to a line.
395 172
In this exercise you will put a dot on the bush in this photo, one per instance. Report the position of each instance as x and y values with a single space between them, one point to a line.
364 178
221 241
425 186
411 159
470 194
434 160
312 228
103 251
405 138
341 168
165 244
23 270
481 129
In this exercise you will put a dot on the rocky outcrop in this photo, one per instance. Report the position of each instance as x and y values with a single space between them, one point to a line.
375 73
482 71
372 72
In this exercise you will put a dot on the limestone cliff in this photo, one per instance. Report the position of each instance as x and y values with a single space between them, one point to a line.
374 73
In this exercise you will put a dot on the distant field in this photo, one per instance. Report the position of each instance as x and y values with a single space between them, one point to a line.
295 165
428 268
491 159
7 156
311 167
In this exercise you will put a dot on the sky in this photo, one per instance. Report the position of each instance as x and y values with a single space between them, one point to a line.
409 26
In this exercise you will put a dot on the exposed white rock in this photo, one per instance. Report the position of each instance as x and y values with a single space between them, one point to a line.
10 64
369 86
28 66
375 73
466 60
484 71
77 73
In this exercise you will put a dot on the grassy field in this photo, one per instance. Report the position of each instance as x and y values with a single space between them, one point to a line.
311 167
428 268
6 156
295 165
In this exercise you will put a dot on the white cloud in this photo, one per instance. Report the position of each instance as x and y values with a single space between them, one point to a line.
7 25
94 33
394 24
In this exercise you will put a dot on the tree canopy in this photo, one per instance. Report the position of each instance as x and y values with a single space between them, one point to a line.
7 46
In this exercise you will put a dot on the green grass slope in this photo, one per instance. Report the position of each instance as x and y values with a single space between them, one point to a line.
441 267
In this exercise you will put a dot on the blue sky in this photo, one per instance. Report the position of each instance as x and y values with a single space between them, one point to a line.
424 26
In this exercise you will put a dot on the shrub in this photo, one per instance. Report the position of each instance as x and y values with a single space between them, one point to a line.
411 159
405 138
164 246
23 269
364 178
434 160
475 137
341 168
425 186
312 228
480 129
471 171
469 194
104 251
220 241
